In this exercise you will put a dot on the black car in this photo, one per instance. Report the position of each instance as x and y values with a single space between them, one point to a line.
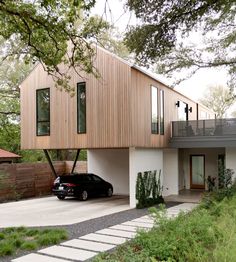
81 186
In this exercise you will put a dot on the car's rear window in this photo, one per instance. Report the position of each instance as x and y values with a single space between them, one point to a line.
73 178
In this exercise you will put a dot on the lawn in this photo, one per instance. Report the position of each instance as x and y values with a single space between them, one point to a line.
208 233
15 239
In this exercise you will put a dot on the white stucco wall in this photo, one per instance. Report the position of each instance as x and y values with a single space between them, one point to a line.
112 165
230 159
141 160
170 172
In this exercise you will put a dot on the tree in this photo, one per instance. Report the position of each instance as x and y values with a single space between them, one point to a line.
219 99
50 32
166 27
111 39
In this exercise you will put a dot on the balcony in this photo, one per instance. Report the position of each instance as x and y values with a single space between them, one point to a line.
204 133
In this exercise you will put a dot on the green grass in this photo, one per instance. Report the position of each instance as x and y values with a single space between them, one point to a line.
206 234
14 239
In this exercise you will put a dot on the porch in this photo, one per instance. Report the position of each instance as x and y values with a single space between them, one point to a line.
187 196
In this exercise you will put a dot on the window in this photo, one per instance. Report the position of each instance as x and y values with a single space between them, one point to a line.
43 112
182 111
154 97
96 178
81 108
161 112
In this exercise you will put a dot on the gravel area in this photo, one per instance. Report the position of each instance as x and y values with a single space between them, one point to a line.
90 226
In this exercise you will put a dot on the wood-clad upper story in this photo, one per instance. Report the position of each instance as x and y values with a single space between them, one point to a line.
118 109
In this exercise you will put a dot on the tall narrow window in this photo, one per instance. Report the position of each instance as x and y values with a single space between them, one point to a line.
161 112
81 107
43 112
154 94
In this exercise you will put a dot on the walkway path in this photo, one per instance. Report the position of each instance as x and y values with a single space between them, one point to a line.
88 246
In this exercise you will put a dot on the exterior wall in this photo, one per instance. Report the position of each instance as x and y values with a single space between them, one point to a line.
211 163
230 159
170 172
107 109
113 166
141 110
205 113
140 160
118 109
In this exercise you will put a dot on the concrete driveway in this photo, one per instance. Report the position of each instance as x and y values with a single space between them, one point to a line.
49 211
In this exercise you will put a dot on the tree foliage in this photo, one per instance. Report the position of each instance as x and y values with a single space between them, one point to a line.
166 27
51 32
219 99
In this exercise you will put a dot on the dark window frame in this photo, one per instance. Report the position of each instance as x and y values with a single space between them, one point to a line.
37 120
162 110
78 118
157 108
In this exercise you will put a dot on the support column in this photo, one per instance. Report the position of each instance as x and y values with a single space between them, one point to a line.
75 161
132 178
230 156
50 163
170 172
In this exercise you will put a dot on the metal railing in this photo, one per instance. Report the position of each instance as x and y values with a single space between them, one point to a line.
208 127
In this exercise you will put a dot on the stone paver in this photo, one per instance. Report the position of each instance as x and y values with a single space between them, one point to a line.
125 228
38 258
89 245
143 220
117 233
69 253
138 224
104 238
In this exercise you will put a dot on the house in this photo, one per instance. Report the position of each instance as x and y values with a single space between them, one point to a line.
129 122
7 157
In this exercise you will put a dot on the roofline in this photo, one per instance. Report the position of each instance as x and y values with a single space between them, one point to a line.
134 66
30 72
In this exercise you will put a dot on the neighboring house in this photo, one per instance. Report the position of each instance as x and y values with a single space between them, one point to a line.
7 157
125 120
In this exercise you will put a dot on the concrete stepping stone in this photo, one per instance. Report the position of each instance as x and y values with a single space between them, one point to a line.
137 224
125 228
142 220
68 253
117 233
104 239
88 245
38 258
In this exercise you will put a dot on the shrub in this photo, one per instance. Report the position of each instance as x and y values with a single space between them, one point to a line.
148 189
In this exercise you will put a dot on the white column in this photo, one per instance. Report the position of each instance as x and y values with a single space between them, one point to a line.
171 172
140 160
230 159
132 177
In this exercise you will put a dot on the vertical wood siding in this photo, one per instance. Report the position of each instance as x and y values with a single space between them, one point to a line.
118 109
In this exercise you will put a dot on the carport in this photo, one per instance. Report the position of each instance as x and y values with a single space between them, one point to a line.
49 211
121 166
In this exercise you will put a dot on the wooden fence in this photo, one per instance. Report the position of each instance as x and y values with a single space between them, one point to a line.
25 180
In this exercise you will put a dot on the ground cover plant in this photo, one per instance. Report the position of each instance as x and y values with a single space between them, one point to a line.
208 233
15 239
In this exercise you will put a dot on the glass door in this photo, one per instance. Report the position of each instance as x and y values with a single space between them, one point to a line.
197 171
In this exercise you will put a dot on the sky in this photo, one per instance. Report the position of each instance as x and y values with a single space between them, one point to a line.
113 11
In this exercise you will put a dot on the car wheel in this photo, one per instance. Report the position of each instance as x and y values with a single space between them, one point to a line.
109 192
84 195
61 197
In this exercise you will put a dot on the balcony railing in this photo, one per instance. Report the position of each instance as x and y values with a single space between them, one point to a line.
209 127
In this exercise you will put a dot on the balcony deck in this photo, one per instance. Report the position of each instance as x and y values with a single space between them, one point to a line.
204 133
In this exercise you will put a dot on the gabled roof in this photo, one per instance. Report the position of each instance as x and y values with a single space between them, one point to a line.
7 154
